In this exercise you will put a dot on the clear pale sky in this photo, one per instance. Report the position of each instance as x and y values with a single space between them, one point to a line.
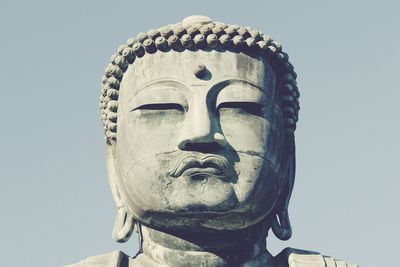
56 207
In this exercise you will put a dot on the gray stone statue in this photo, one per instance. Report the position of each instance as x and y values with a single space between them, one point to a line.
199 119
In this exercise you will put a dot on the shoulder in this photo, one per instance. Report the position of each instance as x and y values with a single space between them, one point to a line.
112 259
290 257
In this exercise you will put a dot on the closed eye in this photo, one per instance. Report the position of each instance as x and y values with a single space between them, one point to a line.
248 107
161 106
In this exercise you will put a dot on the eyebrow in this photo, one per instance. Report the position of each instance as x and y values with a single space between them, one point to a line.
166 82
233 81
224 83
162 81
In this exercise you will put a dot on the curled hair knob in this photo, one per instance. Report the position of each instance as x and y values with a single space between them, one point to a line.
161 44
243 32
218 30
131 41
128 54
225 40
187 41
120 48
212 40
206 29
121 62
166 32
193 31
142 36
238 40
138 49
153 34
149 46
175 43
200 41
179 31
231 31
200 71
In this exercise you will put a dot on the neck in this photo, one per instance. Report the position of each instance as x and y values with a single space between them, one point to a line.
233 248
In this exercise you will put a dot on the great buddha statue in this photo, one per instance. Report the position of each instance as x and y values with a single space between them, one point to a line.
199 119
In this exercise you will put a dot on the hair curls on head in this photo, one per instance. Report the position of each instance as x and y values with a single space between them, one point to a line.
196 36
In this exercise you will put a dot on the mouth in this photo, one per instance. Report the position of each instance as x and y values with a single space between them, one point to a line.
192 166
202 173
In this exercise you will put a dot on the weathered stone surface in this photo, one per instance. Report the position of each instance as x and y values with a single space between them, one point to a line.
199 119
287 258
115 258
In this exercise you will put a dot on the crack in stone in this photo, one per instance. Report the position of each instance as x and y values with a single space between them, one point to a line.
253 153
146 158
168 184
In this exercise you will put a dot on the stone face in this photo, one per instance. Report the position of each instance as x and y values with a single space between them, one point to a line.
199 120
199 148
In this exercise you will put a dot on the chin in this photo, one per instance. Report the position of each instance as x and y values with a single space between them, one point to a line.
206 221
209 194
200 215
202 208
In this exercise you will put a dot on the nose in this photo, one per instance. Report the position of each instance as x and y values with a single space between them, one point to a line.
201 131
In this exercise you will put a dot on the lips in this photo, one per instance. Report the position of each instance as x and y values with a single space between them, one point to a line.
194 166
198 171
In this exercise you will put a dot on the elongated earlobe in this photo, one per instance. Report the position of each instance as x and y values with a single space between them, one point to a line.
281 225
123 226
124 221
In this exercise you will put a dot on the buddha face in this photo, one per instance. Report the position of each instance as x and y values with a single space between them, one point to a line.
200 153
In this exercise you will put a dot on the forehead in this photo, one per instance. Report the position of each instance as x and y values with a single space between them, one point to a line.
180 66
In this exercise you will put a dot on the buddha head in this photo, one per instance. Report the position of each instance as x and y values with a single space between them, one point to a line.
199 120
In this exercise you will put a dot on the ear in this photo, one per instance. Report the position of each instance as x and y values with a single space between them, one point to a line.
124 221
280 221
